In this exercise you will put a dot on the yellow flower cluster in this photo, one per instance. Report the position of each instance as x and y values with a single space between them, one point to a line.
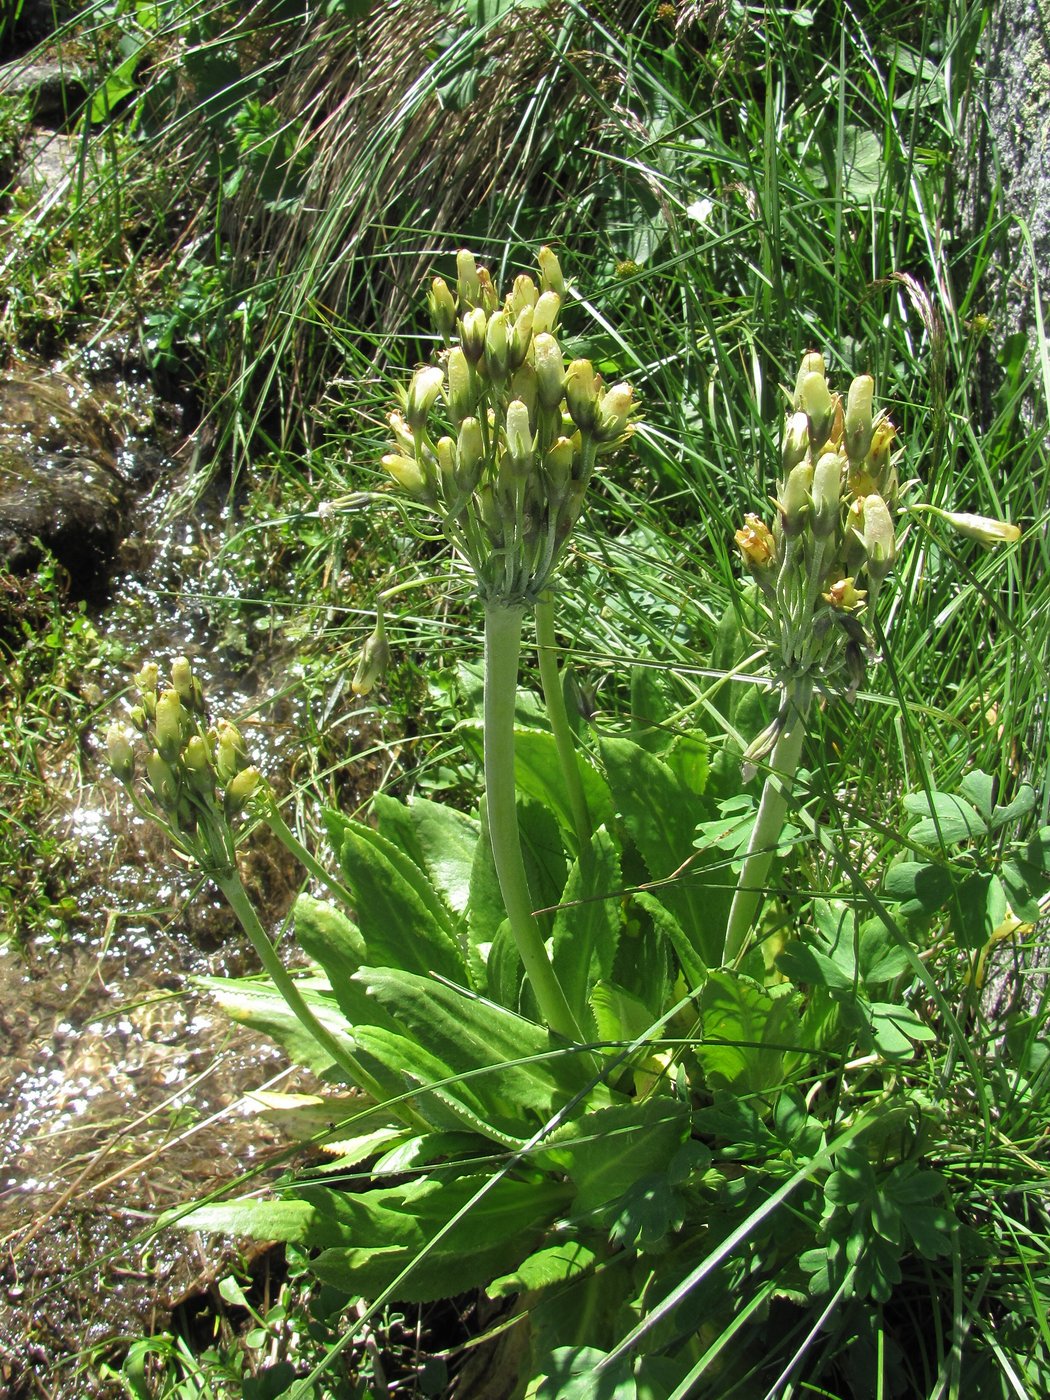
834 526
501 438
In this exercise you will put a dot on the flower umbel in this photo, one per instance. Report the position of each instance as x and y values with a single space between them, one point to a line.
501 438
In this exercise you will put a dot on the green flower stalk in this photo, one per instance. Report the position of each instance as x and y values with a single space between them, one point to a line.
819 569
501 442
199 780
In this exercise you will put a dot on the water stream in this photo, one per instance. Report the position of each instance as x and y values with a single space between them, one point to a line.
121 1088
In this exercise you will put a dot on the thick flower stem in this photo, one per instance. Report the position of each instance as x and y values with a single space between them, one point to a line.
554 699
502 646
772 809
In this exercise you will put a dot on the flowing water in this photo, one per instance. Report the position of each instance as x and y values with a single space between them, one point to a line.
121 1088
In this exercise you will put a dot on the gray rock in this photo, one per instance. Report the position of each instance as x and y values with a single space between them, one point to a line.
60 488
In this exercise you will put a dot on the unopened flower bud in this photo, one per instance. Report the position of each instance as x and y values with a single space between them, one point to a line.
231 755
523 386
497 348
551 278
880 540
827 494
983 528
405 471
581 394
519 438
796 441
819 407
445 450
812 363
169 725
162 780
858 418
426 384
489 299
520 337
472 334
462 385
523 294
239 791
375 658
794 498
614 409
470 455
545 315
876 472
148 679
468 284
550 369
196 763
442 306
120 747
558 465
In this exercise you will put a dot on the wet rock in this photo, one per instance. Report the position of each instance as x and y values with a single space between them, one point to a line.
60 487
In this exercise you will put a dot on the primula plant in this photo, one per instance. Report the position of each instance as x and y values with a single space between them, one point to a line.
558 1064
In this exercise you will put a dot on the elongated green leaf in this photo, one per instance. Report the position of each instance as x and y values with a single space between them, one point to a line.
694 969
325 934
517 1072
400 926
443 1096
661 814
746 1032
504 971
439 839
341 827
555 1264
389 1230
607 1152
587 925
485 914
260 1006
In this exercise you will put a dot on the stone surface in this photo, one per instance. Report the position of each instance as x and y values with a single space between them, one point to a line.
59 484
1017 96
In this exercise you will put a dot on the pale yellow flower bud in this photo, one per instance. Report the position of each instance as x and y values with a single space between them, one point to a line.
819 407
843 596
614 410
545 315
550 369
519 438
827 494
796 441
470 455
983 528
489 299
120 747
162 780
581 394
405 471
426 384
497 348
468 284
812 363
551 278
462 385
757 545
558 465
170 725
442 306
239 791
521 337
231 755
880 539
524 294
472 334
859 426
794 498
